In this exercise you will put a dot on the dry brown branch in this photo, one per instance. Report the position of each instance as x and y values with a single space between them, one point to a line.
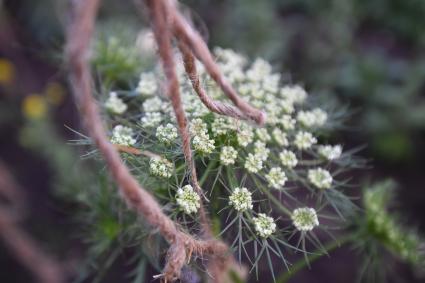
20 244
160 18
181 245
184 32
213 105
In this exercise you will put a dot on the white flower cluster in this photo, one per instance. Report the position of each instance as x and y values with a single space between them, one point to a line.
188 199
280 137
264 225
161 167
203 144
261 151
114 104
295 93
304 219
198 127
241 199
245 135
166 134
201 140
123 136
222 125
320 178
147 84
228 155
304 140
151 119
276 178
288 158
313 118
330 152
153 104
287 122
262 134
253 163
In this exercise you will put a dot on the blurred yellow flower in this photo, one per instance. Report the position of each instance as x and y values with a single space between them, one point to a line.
55 93
7 71
34 106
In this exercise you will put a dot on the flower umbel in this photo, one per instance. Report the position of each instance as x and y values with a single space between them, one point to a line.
241 199
161 167
123 136
228 155
114 104
288 158
330 152
320 178
304 219
188 199
166 134
264 225
276 177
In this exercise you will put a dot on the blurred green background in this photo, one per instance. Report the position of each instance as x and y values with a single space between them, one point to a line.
368 54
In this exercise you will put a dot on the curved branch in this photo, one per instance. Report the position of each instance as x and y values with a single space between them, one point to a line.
213 105
182 245
185 33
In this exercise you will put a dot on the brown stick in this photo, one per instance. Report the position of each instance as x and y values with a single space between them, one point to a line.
159 17
20 244
213 105
182 245
184 32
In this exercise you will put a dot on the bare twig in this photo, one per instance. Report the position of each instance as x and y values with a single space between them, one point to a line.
20 244
159 16
213 105
185 33
181 244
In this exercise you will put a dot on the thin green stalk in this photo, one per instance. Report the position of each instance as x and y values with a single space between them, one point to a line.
271 196
302 263
205 175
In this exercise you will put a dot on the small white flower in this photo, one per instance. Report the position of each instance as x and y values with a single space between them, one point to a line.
259 70
314 118
115 104
188 199
262 134
286 105
161 167
253 163
304 219
271 83
166 134
153 104
306 118
147 84
261 151
203 144
295 93
221 126
264 225
241 199
198 127
228 155
320 178
304 140
276 178
288 158
287 122
280 137
330 152
151 119
123 136
245 135
320 116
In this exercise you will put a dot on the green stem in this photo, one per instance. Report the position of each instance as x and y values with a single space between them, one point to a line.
302 263
205 175
271 196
